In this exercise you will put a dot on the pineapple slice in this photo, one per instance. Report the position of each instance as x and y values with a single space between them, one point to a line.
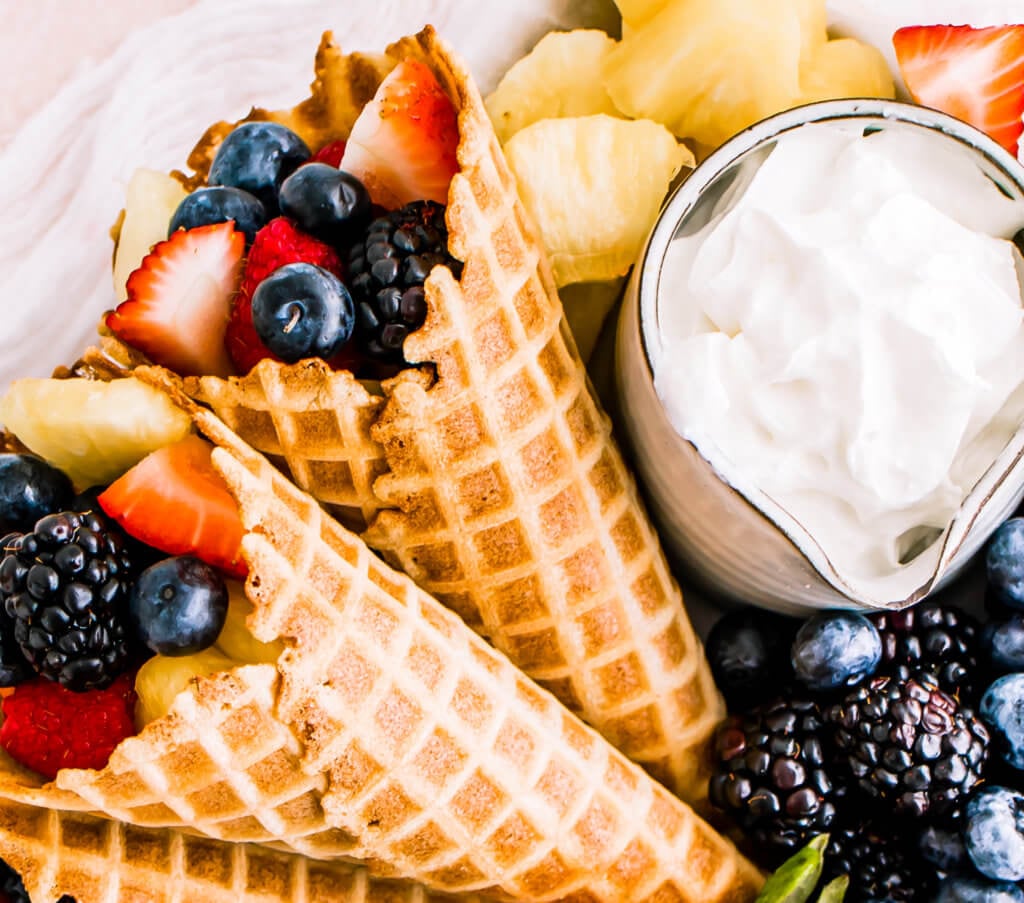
594 186
638 12
150 202
235 639
94 431
845 68
163 677
707 69
561 76
587 305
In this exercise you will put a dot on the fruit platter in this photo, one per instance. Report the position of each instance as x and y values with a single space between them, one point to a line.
325 569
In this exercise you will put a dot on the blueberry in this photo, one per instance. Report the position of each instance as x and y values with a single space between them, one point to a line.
219 204
1002 709
994 833
1005 563
178 606
943 847
968 889
30 489
302 311
836 649
1002 643
326 202
257 157
749 654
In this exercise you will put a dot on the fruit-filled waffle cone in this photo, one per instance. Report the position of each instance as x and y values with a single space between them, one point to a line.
504 493
99 860
388 732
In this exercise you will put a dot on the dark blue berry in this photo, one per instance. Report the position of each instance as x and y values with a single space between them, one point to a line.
1002 709
178 606
326 202
1002 644
749 654
836 649
943 847
257 157
303 311
994 833
30 489
1005 563
968 889
219 204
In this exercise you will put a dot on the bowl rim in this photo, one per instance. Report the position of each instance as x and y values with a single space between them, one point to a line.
686 195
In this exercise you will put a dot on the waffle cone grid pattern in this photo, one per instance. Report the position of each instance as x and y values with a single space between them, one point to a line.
423 750
504 494
96 860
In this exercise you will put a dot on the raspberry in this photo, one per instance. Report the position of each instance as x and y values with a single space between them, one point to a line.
330 154
47 728
278 243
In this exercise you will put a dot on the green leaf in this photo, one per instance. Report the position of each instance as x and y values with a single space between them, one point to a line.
835 890
794 881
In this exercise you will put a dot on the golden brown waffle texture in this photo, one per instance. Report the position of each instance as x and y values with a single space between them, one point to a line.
97 860
389 732
504 493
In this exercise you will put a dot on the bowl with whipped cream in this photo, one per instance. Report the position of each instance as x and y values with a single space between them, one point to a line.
820 357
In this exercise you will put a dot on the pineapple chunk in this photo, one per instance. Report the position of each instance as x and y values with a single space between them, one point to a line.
163 677
94 431
813 19
150 202
561 76
236 640
845 68
594 186
587 305
638 12
707 69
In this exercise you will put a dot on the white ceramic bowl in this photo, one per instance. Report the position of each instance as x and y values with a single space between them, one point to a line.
747 547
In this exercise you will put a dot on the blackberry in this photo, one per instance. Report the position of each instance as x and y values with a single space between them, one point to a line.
66 587
940 639
907 745
386 272
881 865
13 667
770 775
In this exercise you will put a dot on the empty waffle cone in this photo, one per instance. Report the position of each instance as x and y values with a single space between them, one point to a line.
98 860
506 496
388 732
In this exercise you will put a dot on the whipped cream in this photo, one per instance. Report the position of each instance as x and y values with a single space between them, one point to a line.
846 341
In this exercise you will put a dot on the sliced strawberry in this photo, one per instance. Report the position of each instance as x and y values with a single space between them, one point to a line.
975 74
403 145
179 300
174 501
330 154
277 244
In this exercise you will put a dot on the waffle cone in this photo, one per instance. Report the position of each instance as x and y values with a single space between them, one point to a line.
98 860
493 473
389 732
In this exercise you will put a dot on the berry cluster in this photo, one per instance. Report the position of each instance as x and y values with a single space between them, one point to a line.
303 214
899 734
84 601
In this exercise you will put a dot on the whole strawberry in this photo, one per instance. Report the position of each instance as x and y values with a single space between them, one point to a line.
47 728
277 244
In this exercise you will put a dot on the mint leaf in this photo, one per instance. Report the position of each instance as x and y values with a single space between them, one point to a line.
794 881
835 890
